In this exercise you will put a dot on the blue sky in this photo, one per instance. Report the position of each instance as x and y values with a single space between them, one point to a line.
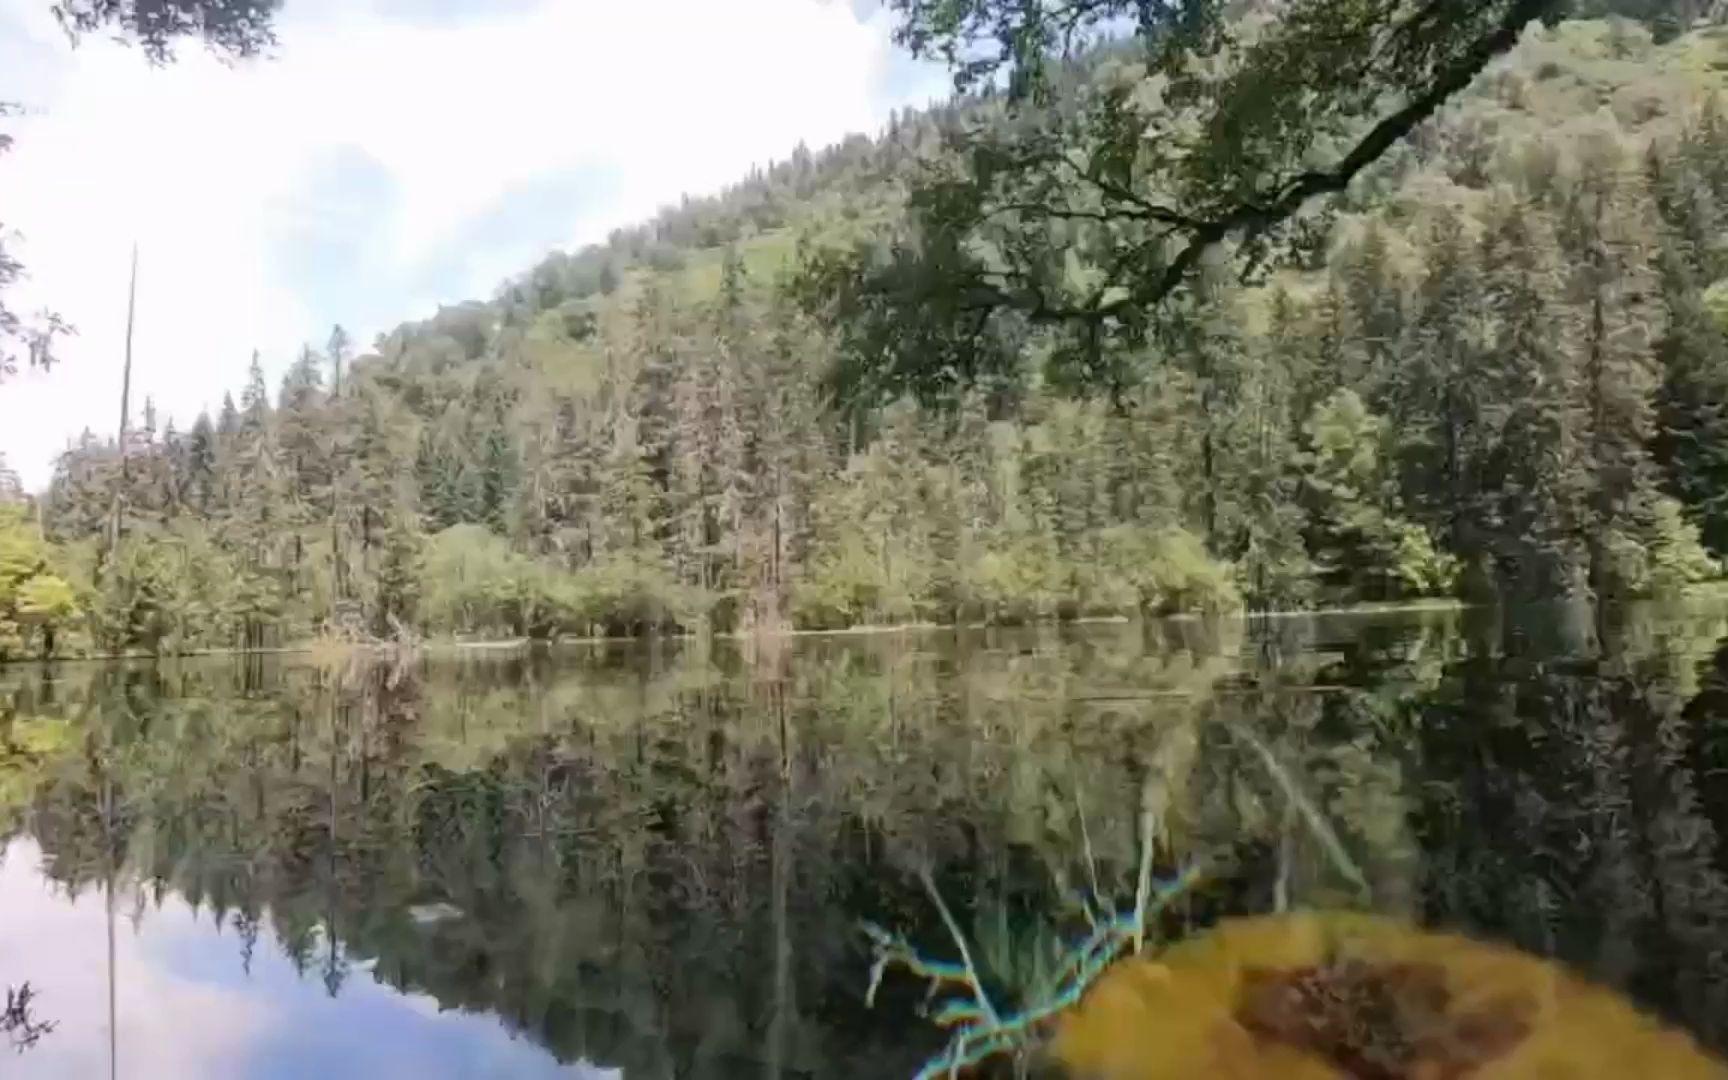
393 155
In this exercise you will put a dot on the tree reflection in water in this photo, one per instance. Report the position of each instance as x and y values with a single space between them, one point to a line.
658 858
19 1022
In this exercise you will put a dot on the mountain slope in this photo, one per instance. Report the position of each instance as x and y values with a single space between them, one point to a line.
1491 367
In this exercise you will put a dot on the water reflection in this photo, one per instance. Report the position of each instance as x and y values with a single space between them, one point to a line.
189 1001
654 859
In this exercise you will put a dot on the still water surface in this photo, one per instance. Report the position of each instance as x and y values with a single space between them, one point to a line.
652 861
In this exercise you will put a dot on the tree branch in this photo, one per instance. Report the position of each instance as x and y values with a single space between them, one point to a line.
1389 131
1143 207
1292 196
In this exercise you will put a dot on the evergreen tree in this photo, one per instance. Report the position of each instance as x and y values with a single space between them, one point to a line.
302 431
1371 294
1608 240
337 349
1274 563
1361 545
1442 402
1691 443
200 482
1536 469
1496 363
1209 348
495 468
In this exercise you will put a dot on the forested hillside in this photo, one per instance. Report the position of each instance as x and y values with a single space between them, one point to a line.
1496 366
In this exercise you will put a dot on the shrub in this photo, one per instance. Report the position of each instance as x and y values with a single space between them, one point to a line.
1677 556
1016 580
1167 570
36 603
629 593
851 582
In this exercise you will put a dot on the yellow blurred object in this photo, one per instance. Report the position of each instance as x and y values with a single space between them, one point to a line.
1320 996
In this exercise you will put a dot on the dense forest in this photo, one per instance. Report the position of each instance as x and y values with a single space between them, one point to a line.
1496 366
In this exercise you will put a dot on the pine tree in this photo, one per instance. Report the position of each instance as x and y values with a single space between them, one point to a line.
302 431
1537 469
1273 561
783 457
449 488
1703 152
1361 545
1505 347
337 349
1444 405
229 421
397 594
1209 347
200 483
561 500
254 399
628 497
1372 293
1691 443
1608 240
658 362
496 467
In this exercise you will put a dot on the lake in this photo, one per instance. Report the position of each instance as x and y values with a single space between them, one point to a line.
652 860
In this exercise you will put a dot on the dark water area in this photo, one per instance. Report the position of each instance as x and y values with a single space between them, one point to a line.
652 861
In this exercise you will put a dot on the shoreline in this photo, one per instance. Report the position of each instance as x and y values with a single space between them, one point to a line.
447 646
436 646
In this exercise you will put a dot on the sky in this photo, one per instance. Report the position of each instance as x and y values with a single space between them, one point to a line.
391 155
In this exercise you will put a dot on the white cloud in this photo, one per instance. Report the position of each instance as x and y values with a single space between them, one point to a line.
166 1025
217 172
186 1008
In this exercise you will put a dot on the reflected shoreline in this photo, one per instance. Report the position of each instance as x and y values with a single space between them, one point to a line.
655 859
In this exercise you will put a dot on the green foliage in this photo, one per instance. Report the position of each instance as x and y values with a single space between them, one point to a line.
1692 402
856 578
1418 567
1162 571
471 581
136 606
1345 449
631 593
1715 300
1094 193
1672 555
1015 579
973 370
37 604
45 599
1362 545
396 599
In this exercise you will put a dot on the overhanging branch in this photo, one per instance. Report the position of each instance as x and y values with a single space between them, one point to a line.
1253 218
